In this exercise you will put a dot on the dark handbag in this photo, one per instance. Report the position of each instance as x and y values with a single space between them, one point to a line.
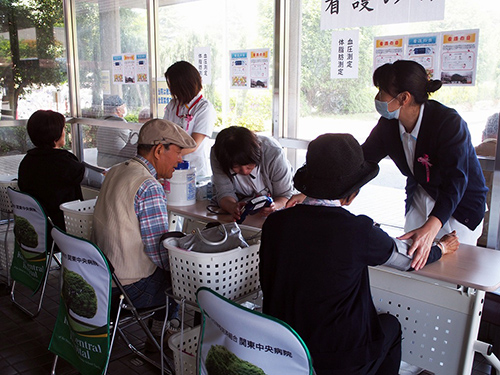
215 239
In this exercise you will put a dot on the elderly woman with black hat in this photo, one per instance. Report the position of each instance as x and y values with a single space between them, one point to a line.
314 260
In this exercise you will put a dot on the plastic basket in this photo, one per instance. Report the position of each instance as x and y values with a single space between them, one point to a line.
5 203
78 217
233 274
185 355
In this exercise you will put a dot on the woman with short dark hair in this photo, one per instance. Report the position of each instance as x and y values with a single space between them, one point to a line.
246 165
431 145
49 173
191 111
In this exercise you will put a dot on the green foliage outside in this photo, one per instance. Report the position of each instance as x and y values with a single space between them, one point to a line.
79 295
319 95
24 232
29 63
220 361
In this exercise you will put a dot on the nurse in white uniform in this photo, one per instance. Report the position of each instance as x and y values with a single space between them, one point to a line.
191 111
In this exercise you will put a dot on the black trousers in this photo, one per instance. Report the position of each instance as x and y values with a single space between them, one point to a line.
390 359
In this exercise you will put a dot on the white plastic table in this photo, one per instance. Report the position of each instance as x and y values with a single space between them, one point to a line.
439 308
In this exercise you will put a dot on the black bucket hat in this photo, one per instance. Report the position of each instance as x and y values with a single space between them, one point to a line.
335 168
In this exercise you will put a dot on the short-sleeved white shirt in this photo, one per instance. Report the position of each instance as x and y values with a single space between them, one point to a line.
203 121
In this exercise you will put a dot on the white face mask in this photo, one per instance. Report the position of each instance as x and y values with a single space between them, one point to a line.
383 109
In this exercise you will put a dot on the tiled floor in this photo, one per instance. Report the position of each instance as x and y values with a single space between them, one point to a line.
24 341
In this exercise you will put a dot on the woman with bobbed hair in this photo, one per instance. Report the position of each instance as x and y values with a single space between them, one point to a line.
431 145
49 173
246 165
191 111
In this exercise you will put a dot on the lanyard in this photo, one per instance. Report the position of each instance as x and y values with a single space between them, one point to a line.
188 116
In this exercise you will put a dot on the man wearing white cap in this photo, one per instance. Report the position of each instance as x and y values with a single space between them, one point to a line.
130 215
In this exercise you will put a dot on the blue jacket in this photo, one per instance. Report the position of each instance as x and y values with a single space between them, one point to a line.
456 181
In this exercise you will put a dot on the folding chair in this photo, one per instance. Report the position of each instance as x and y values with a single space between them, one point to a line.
86 312
237 339
6 208
33 252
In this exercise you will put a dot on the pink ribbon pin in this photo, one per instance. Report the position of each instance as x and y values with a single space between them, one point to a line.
425 161
188 119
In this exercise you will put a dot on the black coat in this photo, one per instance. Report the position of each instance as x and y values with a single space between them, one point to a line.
456 181
314 276
52 176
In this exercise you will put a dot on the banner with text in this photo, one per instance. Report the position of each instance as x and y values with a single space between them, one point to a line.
337 14
345 54
450 56
81 333
29 262
262 345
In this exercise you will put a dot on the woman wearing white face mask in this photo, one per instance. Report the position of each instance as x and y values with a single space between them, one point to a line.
431 146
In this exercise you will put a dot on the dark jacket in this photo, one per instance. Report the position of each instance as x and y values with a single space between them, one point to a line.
456 181
314 276
52 176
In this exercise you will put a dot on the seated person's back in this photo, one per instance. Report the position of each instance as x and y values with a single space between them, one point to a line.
314 260
49 173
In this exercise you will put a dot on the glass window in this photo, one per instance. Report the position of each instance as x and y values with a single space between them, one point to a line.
347 105
32 72
32 58
221 26
114 77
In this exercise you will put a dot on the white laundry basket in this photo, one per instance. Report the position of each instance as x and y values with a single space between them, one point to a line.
78 217
184 346
233 274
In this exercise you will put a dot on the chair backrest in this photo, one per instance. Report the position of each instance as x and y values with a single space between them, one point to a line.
81 334
31 245
234 337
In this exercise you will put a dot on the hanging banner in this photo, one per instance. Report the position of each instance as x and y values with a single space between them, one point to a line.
105 82
337 14
249 69
81 333
203 63
459 57
29 262
239 70
259 69
424 49
345 54
117 69
450 56
164 95
141 68
130 68
261 345
387 50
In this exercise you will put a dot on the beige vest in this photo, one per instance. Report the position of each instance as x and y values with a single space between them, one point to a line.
116 228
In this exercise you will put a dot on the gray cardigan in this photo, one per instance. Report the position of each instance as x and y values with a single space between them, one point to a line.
275 169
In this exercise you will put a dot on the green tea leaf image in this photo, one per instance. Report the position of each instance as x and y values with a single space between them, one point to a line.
220 361
25 232
79 295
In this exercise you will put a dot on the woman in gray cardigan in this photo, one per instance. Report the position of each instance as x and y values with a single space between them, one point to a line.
246 165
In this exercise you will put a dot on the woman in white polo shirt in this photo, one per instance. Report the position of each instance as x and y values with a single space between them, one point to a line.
192 112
